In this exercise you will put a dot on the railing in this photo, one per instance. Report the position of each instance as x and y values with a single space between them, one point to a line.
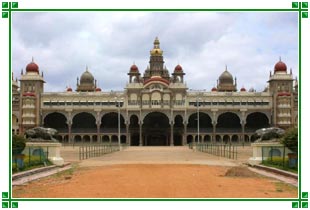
280 157
97 150
29 157
221 150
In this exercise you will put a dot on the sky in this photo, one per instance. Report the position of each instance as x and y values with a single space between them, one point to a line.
203 43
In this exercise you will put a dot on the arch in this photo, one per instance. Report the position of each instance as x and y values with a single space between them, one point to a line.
57 121
205 122
66 138
189 139
86 139
235 139
274 153
84 122
207 139
77 139
200 138
178 121
114 139
256 120
123 139
133 121
109 122
105 139
246 138
253 138
218 139
226 139
156 129
134 139
94 138
228 122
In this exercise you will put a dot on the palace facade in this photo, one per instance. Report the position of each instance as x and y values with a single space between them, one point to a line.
155 108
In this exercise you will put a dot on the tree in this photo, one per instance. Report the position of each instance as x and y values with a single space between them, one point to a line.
18 144
290 139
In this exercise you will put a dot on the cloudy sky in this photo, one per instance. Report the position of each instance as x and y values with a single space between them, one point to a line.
62 44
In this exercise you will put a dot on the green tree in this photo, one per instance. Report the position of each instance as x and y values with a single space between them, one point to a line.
290 139
18 144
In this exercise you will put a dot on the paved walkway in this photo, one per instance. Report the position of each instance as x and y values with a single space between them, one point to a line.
166 155
155 155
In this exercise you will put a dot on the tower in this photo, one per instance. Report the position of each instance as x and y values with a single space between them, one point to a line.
156 67
226 82
281 88
31 88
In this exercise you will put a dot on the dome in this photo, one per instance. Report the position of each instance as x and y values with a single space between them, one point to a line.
178 68
69 89
32 67
214 89
226 77
87 78
98 89
156 51
242 89
280 67
134 68
156 79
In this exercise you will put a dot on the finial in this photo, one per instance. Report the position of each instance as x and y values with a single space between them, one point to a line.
290 71
22 72
86 68
12 76
77 81
225 67
270 74
95 83
42 73
32 60
280 58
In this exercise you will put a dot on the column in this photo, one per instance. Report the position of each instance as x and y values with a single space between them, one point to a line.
69 133
243 130
214 133
171 134
140 134
185 134
98 132
128 141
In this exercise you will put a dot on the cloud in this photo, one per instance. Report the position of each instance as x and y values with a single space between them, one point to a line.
109 42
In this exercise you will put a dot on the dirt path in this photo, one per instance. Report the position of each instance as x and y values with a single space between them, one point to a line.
154 172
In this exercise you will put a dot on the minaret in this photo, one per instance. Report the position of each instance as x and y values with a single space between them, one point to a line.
31 88
156 63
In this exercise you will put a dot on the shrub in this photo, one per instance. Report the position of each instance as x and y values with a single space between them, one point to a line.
290 139
18 144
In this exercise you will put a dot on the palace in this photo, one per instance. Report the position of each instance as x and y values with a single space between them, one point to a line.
155 108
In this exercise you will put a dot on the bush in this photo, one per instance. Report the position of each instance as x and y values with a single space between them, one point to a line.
18 144
290 139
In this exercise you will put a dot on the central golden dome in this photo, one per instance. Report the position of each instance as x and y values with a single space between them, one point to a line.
156 51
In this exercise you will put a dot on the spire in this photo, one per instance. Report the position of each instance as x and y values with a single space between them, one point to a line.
77 81
235 81
22 72
225 67
279 58
95 83
42 74
290 71
270 74
86 68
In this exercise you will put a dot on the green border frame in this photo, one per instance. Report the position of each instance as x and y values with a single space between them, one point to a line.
301 7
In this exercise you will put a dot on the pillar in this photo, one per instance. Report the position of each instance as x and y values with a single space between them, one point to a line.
243 131
171 134
140 134
213 140
185 134
128 140
69 133
98 132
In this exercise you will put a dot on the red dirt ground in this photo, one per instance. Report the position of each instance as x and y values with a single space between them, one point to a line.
154 181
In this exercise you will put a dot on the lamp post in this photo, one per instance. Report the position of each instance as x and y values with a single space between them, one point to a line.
198 122
119 121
